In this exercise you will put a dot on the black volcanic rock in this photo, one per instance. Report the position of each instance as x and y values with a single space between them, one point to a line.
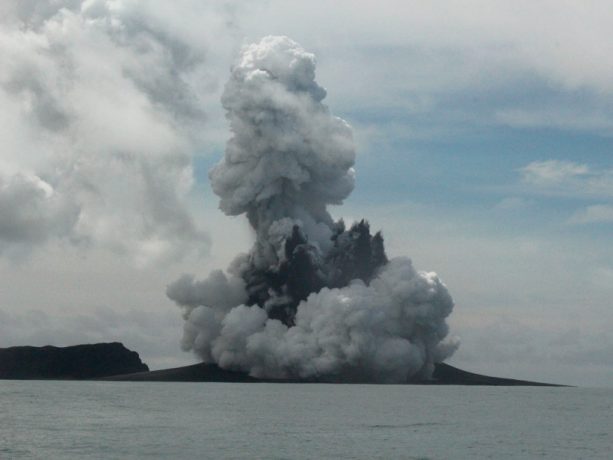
113 361
444 374
77 362
195 373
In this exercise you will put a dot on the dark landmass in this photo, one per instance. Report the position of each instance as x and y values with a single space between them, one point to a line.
114 362
78 362
444 374
195 373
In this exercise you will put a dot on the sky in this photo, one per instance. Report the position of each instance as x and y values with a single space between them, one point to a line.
484 152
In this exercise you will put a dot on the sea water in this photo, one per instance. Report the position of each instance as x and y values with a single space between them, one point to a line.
125 420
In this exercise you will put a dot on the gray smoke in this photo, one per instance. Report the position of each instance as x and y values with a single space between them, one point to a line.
312 299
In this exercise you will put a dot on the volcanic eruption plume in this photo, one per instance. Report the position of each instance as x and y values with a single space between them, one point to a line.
313 299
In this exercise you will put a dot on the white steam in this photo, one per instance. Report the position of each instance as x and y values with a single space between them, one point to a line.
101 106
286 146
288 157
287 160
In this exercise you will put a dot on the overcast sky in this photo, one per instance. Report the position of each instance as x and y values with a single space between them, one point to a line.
485 153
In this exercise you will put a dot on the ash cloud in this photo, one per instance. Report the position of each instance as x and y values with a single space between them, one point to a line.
312 298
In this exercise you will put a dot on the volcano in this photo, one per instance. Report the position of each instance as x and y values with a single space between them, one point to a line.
314 299
443 374
115 362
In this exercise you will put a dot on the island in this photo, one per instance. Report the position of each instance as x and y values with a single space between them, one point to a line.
115 362
443 374
79 362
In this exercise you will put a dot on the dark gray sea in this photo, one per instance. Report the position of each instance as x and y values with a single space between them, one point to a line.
128 420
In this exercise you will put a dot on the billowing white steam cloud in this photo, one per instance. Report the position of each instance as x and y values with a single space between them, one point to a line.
312 299
100 108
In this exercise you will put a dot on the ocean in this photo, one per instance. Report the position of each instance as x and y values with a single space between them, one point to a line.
130 420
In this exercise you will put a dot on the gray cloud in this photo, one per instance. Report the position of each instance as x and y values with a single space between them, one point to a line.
104 104
31 212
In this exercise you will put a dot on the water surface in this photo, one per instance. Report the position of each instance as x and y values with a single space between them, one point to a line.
76 420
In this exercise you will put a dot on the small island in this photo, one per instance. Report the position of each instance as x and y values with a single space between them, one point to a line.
115 362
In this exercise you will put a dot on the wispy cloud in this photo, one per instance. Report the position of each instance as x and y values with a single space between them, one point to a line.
552 172
567 178
512 203
598 213
583 119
